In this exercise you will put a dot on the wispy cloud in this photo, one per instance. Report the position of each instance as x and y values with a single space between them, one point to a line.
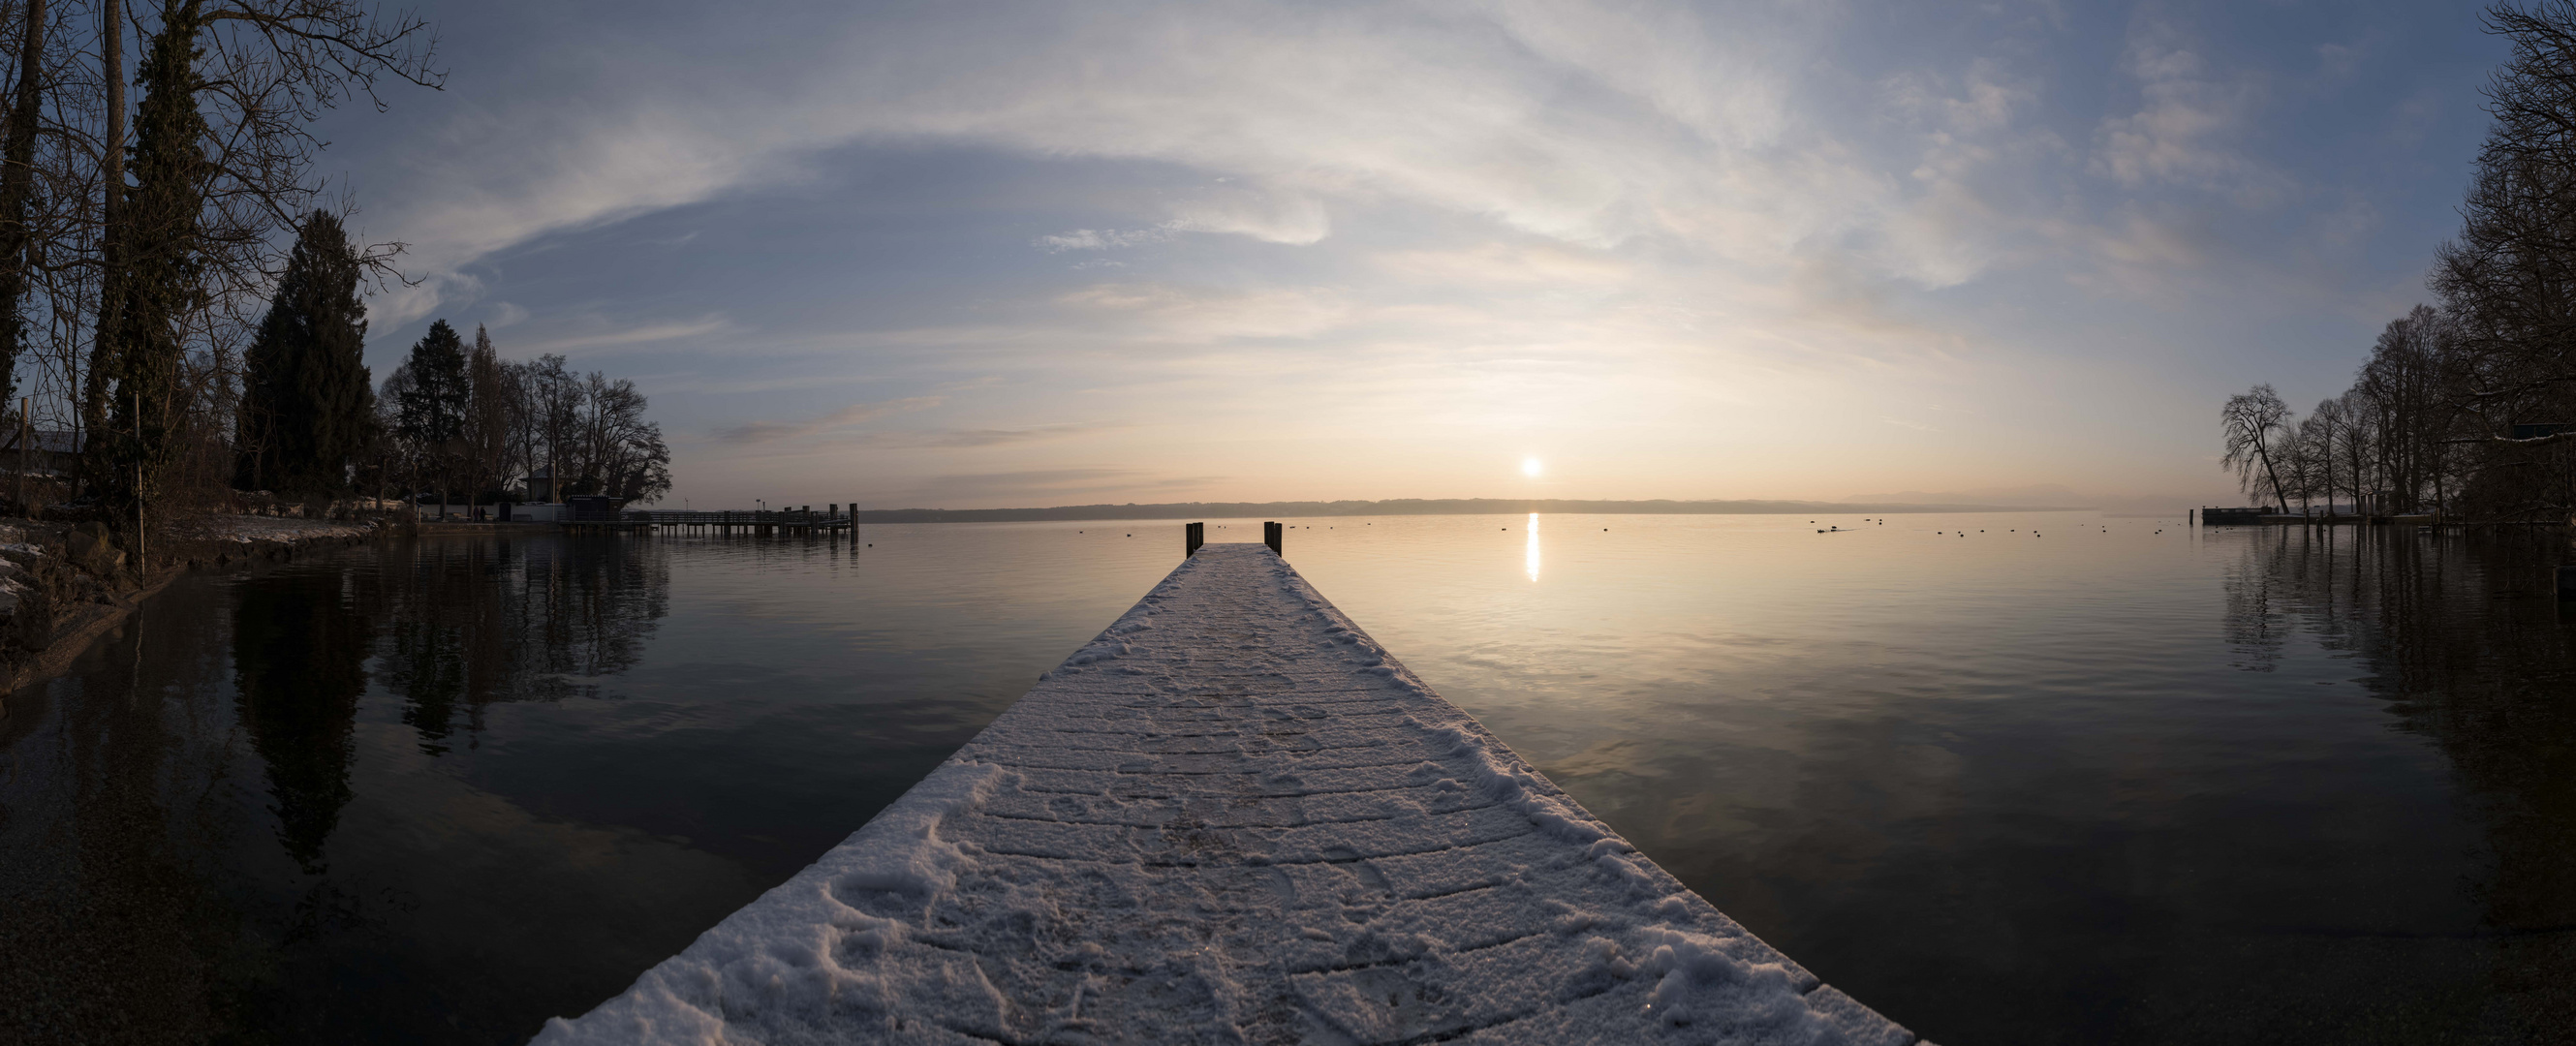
630 336
951 439
1100 239
1042 487
2189 126
1379 225
774 431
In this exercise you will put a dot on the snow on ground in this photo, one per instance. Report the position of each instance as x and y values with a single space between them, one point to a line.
1232 818
254 529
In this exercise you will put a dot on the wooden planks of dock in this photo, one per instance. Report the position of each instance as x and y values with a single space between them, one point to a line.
1232 817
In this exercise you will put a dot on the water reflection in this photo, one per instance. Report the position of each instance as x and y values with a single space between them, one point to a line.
2251 785
2461 635
1529 558
2248 785
300 653
473 623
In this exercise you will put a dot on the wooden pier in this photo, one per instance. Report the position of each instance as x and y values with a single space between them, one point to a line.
1232 817
796 522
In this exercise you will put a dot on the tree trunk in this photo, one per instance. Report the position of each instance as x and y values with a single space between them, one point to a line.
111 168
2278 498
17 184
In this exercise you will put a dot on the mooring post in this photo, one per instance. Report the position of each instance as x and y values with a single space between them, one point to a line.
2567 584
1270 536
1194 535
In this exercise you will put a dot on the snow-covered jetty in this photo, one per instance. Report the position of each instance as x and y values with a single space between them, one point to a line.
1232 818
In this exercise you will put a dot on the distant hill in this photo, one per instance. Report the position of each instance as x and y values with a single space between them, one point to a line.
2055 496
1415 507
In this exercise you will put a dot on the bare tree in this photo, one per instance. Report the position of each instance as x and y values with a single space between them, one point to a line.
2250 423
2508 281
18 201
2321 428
2357 441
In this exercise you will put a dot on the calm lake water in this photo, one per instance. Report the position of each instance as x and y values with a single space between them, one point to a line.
2100 783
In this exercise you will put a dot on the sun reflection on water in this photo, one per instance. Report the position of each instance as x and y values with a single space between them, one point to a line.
1532 555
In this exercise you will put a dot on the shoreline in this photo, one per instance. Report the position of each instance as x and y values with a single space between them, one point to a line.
69 586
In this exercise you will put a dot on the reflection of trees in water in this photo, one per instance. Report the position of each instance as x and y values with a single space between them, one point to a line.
458 625
2463 638
300 646
472 623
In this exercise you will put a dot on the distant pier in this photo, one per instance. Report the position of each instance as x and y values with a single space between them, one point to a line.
1232 817
832 521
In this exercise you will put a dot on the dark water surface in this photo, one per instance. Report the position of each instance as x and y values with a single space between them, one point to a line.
2105 785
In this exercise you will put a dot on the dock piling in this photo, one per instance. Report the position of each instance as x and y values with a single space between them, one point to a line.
2567 584
1270 533
1193 535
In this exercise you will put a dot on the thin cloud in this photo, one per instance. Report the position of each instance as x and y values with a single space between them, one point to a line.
1025 488
632 336
774 431
1100 239
949 439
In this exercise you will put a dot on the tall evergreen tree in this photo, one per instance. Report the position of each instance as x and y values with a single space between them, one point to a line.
487 417
307 405
433 406
160 260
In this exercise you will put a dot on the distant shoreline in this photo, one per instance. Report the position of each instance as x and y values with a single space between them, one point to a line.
1424 507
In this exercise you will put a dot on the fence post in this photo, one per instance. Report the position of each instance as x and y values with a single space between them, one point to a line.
1195 535
1270 533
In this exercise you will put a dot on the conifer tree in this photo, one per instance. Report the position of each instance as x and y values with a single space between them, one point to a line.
487 415
433 406
307 405
159 258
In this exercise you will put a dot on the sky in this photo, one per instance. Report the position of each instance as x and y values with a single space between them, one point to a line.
995 254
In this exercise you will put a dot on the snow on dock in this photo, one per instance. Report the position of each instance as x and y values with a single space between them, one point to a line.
1231 818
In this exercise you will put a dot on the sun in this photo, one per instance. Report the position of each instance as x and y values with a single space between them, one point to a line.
1530 467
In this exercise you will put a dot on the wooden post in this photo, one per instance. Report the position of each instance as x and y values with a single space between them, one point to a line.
2567 584
1270 533
26 432
138 481
1194 536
